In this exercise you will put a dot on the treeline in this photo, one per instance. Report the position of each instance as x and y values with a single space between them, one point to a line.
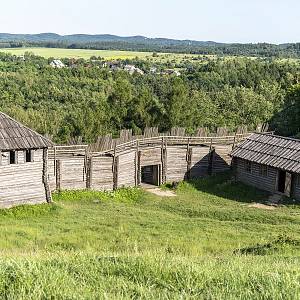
204 48
89 101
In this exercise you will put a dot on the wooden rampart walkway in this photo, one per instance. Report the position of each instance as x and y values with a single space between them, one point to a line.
131 160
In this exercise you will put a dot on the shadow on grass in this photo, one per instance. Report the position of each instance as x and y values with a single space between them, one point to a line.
223 185
269 248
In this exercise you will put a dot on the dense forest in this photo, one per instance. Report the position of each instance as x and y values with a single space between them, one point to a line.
140 43
89 100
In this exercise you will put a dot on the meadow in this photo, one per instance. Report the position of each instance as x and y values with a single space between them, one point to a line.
86 53
205 243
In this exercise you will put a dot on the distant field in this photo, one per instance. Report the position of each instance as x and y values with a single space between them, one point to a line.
77 53
106 54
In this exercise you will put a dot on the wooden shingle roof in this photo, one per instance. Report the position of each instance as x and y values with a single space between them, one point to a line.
15 136
271 150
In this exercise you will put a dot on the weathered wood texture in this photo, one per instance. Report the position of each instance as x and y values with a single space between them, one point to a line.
253 178
73 173
45 175
179 158
15 136
221 160
296 186
177 164
102 173
199 161
126 170
275 151
22 183
150 157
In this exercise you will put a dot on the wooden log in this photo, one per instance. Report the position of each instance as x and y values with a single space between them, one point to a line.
45 176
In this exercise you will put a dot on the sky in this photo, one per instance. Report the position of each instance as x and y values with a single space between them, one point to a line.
275 21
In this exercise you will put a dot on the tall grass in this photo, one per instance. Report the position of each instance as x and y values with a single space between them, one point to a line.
206 243
110 276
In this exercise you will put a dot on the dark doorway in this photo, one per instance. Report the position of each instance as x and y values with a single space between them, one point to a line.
150 175
281 181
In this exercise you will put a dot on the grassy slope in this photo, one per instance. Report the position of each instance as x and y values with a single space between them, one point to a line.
133 244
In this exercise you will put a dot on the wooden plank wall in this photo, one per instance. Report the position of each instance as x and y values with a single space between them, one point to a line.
199 161
72 173
221 158
126 169
22 183
176 164
180 157
102 173
254 178
150 157
296 187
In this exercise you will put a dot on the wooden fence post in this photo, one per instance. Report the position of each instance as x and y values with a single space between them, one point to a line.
116 172
211 158
164 160
189 152
54 164
137 165
234 141
89 175
58 174
45 175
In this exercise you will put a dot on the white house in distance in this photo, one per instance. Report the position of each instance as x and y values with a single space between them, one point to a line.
133 69
58 64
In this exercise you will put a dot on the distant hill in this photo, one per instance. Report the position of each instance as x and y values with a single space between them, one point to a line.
87 38
141 43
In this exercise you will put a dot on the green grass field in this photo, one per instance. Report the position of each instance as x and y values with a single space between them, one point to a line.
206 243
77 53
106 54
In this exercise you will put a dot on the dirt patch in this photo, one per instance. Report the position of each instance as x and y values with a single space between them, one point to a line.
161 193
262 206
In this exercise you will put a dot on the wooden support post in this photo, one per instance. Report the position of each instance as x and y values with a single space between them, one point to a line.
137 165
116 172
189 152
58 174
85 165
89 177
234 141
211 161
164 160
45 175
54 162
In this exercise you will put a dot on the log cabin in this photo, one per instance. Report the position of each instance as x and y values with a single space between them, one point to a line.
23 164
270 163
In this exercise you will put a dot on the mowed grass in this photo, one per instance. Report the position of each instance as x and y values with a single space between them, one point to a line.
206 243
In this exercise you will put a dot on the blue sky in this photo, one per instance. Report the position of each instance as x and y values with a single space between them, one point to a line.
276 21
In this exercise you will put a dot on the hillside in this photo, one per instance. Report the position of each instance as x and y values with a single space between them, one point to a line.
205 243
141 43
